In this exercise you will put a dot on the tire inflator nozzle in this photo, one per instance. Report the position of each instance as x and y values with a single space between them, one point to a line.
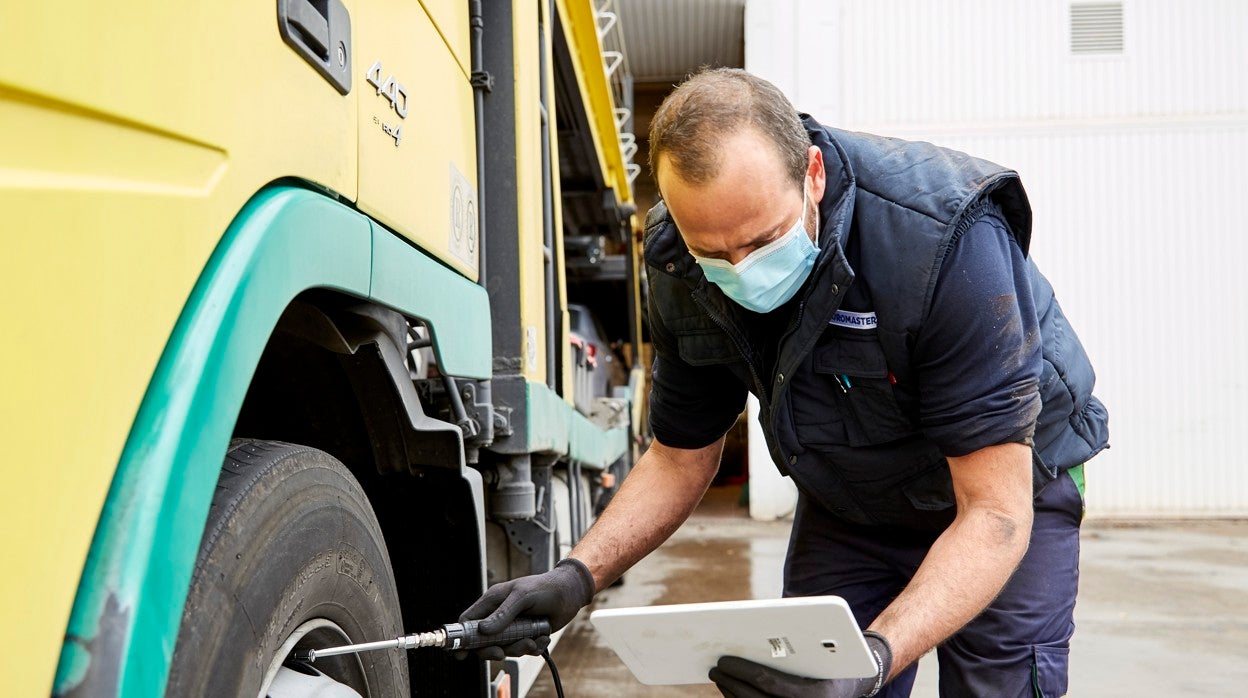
452 636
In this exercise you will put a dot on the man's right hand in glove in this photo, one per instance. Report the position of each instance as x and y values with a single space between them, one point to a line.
557 595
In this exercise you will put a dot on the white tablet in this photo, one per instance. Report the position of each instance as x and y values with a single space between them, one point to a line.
815 637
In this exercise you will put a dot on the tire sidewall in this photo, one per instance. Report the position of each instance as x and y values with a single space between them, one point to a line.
291 537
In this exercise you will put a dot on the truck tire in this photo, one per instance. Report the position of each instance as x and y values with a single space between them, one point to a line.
291 543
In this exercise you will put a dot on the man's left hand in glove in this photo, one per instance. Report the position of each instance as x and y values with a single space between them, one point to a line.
740 678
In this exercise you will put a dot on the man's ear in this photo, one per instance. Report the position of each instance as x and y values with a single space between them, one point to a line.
816 173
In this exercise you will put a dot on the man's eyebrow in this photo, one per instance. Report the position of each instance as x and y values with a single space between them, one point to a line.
755 242
766 237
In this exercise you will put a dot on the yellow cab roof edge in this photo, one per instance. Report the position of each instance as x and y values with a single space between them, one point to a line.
580 28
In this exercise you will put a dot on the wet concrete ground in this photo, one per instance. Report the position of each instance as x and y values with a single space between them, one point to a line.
1162 608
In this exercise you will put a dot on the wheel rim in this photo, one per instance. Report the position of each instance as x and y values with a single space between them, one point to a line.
319 633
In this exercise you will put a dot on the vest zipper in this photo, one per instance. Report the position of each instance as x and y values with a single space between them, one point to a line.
797 322
775 399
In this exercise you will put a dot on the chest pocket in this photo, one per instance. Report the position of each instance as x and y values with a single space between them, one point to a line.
705 347
852 370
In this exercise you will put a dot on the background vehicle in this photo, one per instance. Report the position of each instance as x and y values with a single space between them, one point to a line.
321 243
594 361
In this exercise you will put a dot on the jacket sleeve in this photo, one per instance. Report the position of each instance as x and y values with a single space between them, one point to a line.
978 354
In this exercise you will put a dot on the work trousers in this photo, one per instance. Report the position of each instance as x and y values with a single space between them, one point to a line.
1019 645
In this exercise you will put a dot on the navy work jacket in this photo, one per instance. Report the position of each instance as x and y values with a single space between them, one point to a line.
860 453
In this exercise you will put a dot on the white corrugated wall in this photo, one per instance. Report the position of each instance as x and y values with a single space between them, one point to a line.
1136 167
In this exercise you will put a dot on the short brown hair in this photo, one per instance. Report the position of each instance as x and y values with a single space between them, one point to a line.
715 102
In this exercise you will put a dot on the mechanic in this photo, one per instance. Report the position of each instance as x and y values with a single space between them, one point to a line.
916 378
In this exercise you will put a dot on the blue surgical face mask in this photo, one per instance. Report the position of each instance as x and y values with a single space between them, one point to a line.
769 276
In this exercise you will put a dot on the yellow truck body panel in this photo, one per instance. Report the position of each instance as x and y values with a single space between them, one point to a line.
418 167
118 174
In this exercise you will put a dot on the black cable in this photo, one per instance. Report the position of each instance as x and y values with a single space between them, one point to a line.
554 673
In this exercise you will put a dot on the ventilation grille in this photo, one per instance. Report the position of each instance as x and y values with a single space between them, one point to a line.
1096 28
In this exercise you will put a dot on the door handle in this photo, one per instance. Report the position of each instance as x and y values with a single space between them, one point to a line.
311 25
320 32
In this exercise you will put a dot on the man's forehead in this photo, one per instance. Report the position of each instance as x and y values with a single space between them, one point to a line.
746 186
742 153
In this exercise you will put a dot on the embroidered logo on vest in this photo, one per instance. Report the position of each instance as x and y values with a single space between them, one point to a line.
852 320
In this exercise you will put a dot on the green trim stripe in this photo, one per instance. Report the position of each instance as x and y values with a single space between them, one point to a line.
456 309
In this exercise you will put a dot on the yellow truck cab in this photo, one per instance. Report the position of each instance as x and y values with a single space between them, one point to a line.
287 361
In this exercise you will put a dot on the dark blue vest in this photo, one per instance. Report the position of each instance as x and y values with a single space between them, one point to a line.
904 203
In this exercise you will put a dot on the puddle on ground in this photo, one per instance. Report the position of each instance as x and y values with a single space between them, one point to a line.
709 559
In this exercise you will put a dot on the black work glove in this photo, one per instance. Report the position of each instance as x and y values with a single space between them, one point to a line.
556 595
740 678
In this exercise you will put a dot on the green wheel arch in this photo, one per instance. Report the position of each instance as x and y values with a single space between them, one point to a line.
284 241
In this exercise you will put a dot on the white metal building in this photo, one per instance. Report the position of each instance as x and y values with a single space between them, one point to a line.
1128 122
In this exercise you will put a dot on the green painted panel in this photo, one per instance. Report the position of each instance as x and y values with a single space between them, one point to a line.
547 420
595 447
457 310
555 427
134 585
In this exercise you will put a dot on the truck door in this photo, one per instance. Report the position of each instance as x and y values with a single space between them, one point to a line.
416 129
